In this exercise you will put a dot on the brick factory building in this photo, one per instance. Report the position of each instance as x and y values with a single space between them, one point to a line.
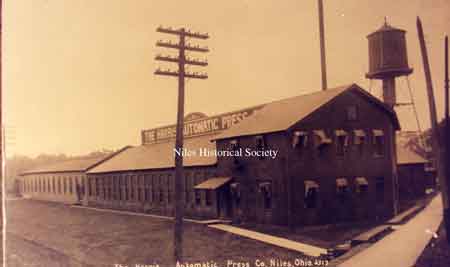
324 157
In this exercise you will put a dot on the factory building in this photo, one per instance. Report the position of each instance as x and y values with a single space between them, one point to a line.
323 157
60 182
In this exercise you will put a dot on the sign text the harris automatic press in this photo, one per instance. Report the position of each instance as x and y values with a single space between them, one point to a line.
197 127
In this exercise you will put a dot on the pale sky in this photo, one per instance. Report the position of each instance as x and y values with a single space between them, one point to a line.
78 74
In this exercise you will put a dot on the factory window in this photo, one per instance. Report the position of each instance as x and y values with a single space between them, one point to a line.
352 113
379 189
321 139
122 182
132 187
117 189
260 145
359 139
59 185
65 184
299 139
169 188
342 189
311 194
208 197
265 188
362 186
341 142
71 185
198 197
186 188
378 143
161 195
146 187
127 187
234 146
153 189
109 189
97 186
235 189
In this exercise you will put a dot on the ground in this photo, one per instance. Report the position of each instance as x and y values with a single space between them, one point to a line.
50 234
325 236
437 252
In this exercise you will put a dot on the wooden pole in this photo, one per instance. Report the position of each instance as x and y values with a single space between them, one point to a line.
447 141
181 75
437 151
323 59
178 227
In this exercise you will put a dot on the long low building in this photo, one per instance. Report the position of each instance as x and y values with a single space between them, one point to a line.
324 157
61 181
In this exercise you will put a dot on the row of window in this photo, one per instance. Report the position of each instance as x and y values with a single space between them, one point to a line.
147 188
319 139
343 139
343 190
54 185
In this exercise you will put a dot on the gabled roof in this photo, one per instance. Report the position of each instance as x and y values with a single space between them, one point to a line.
280 115
158 156
72 165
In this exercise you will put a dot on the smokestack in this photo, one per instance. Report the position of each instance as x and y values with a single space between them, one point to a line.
322 47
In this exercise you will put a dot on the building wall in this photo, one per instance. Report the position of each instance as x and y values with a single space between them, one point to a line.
58 187
151 191
288 172
413 181
250 172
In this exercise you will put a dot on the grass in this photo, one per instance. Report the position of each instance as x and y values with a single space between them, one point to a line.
104 239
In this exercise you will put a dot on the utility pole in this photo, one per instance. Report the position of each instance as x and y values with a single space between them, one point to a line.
437 147
181 60
323 59
447 140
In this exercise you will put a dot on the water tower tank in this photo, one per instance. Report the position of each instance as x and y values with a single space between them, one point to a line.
387 53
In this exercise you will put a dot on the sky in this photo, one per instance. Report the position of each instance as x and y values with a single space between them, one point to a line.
78 74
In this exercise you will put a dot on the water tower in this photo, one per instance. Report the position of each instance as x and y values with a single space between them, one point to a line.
388 59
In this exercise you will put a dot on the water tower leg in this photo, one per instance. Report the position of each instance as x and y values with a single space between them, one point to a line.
389 91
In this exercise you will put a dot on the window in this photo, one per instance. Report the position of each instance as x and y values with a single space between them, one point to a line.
266 190
341 142
59 185
161 195
359 139
378 143
379 188
139 188
198 198
362 186
132 186
300 139
321 139
352 113
234 146
169 188
260 145
311 194
208 197
236 193
186 188
342 189
65 184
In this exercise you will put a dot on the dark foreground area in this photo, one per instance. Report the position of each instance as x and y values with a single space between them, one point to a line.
437 252
49 234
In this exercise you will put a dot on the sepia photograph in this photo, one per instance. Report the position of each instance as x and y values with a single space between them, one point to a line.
243 133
